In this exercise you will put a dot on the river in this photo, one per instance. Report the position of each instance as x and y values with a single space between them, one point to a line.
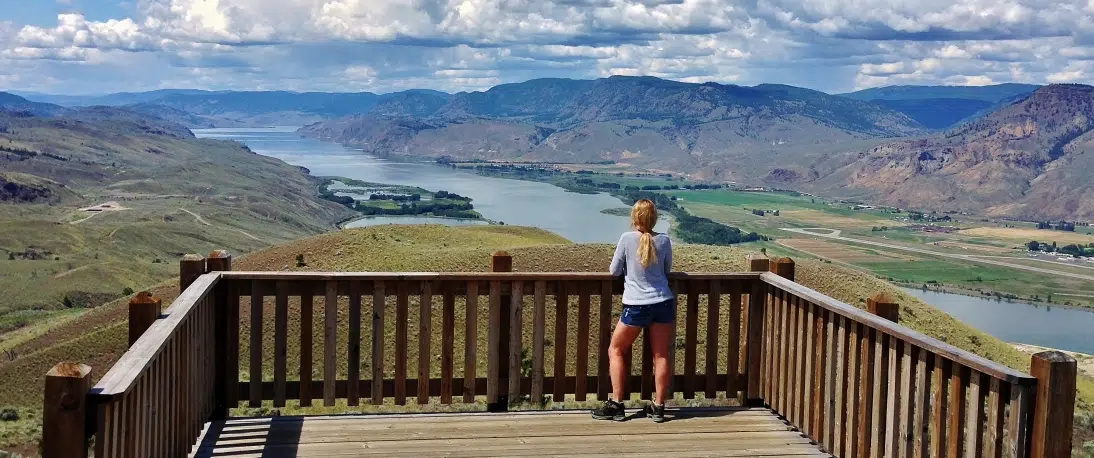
575 216
1037 324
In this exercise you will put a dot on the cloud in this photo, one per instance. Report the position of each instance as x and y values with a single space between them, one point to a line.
383 45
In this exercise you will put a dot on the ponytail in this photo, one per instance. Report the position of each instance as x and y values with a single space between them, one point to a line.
644 218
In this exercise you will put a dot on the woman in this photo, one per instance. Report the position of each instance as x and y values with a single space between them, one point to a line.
645 258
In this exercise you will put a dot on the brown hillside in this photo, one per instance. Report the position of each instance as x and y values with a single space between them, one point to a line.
1031 159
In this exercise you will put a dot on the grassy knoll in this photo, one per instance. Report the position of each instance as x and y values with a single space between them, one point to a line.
98 337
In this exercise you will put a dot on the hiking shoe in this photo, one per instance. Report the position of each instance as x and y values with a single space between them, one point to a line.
610 410
655 412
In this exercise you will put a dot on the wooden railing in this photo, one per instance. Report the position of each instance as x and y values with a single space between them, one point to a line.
860 385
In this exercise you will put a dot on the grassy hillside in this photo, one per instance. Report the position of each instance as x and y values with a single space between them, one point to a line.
98 337
163 193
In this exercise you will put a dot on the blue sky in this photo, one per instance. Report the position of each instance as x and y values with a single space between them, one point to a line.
98 46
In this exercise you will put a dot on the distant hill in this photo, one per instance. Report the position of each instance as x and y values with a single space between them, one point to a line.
202 109
1031 159
14 103
941 107
710 130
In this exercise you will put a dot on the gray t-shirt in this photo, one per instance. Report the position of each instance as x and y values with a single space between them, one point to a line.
643 285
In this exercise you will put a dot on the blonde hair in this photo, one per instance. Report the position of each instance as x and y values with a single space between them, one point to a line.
644 218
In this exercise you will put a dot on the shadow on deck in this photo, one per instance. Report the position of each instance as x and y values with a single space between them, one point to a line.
689 432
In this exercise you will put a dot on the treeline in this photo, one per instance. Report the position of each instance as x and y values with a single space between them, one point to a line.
445 209
1060 226
396 197
1073 249
693 229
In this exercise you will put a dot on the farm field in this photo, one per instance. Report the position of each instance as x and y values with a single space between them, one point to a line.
964 235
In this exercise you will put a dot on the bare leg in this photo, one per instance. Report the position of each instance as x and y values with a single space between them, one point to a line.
660 336
622 339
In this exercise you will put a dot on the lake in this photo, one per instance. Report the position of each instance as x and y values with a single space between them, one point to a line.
1036 324
575 216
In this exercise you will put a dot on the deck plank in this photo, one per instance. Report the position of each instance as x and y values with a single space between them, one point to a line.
740 432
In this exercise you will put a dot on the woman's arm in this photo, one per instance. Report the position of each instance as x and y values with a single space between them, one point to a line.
619 260
668 258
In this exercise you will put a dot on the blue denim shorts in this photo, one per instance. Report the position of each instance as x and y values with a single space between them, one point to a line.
642 316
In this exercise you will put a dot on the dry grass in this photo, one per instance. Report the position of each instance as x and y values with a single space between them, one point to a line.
1024 235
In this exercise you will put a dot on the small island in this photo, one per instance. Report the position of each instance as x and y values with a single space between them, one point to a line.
378 199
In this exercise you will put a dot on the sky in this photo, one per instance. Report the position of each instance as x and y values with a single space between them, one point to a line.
102 46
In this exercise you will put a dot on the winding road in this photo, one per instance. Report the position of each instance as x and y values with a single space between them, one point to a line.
836 235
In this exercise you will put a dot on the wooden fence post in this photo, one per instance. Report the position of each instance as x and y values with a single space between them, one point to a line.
500 261
191 267
783 267
221 261
143 311
1053 405
64 417
884 306
757 298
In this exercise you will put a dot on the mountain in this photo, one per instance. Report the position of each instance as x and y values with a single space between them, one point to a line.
711 130
202 109
941 107
13 103
1031 159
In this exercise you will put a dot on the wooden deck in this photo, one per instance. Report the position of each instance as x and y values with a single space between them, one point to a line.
688 432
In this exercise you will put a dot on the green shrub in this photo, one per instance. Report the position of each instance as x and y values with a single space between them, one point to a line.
9 414
127 291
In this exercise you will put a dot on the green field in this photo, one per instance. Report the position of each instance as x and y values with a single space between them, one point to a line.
910 269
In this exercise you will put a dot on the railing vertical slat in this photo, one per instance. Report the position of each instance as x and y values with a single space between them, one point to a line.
865 391
603 380
330 342
922 403
892 402
840 388
711 369
582 364
353 346
493 357
830 386
770 340
1018 422
733 343
281 331
907 400
994 440
879 386
793 344
560 342
539 333
471 341
974 416
751 345
776 349
647 366
307 330
958 377
938 407
516 345
691 336
425 334
808 406
819 361
257 300
448 341
402 304
379 304
851 403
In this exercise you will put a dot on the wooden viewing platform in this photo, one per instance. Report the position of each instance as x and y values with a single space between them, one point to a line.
813 375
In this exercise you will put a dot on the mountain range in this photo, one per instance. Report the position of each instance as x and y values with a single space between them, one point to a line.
1010 150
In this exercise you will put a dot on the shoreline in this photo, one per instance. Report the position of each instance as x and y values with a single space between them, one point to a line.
1085 361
